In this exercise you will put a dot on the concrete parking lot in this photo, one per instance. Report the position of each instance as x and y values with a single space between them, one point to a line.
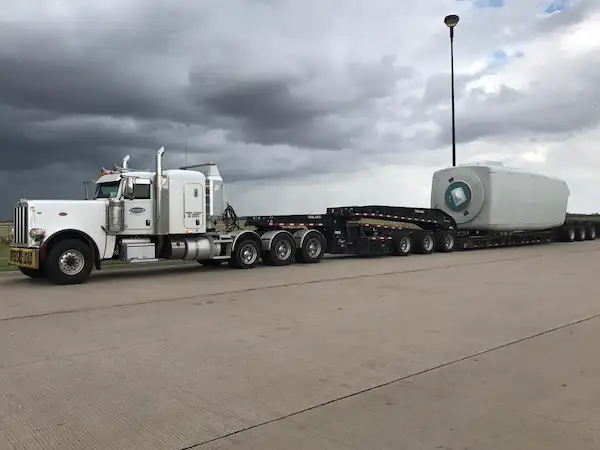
487 349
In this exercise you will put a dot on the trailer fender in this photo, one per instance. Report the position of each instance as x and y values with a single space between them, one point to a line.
245 234
267 238
300 235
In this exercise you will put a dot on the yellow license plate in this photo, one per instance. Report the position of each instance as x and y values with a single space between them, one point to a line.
23 257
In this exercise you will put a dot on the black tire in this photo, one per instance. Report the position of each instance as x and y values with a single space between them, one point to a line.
282 251
210 262
580 233
69 262
424 243
403 246
32 273
245 254
445 241
312 249
590 234
568 233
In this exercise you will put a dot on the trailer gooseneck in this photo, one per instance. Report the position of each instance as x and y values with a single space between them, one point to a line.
140 216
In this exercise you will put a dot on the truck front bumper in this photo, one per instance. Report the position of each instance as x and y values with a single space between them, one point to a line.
28 258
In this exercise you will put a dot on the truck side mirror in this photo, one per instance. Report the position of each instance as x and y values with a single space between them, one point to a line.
129 188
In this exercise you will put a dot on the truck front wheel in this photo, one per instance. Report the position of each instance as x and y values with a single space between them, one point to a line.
69 262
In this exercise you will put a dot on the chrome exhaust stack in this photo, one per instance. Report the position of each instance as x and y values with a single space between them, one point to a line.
158 192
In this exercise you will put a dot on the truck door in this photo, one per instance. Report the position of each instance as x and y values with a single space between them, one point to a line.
193 207
139 212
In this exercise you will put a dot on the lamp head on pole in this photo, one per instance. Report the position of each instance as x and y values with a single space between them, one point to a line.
451 20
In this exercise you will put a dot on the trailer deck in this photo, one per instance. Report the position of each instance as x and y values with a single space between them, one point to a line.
354 230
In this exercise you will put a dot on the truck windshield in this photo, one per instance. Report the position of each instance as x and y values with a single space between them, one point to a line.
107 190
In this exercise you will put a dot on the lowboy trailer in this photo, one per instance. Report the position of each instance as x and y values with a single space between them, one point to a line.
358 230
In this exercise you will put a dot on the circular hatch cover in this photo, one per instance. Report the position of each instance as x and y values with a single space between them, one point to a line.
464 197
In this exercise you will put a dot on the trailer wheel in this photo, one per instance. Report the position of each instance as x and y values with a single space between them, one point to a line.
580 234
445 241
590 234
403 246
312 249
281 253
245 254
69 262
568 233
425 244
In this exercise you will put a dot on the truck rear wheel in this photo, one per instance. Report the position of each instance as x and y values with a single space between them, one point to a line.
245 254
32 273
580 233
281 253
312 249
69 262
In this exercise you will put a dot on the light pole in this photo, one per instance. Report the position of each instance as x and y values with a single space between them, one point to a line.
451 22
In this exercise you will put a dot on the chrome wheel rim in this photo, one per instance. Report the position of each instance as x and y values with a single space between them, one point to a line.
283 249
313 247
449 242
428 243
71 262
248 253
404 244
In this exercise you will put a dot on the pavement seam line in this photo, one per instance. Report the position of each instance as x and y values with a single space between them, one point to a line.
262 288
389 383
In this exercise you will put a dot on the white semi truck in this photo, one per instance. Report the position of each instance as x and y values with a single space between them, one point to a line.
135 216
142 216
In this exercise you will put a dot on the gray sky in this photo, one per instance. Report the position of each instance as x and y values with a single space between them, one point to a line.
303 104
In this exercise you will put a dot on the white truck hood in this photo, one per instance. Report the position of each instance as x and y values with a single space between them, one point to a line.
87 216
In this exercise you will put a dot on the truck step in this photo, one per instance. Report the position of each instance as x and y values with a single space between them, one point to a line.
223 241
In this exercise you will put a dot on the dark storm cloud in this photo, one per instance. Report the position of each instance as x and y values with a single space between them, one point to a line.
299 109
94 65
83 79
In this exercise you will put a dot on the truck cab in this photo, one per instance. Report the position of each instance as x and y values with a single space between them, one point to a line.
129 215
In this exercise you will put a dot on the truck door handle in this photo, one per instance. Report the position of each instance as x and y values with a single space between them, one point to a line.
148 222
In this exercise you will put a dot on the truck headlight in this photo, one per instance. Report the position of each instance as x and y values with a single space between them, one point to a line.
36 233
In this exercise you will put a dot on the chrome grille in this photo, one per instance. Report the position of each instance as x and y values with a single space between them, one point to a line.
21 223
